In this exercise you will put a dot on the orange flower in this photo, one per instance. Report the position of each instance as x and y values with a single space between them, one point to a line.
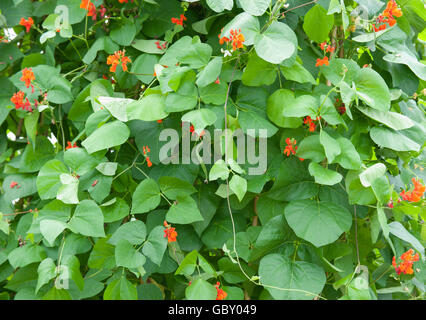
221 295
416 194
123 1
27 23
222 40
18 100
117 58
148 162
90 7
169 232
27 76
406 264
307 120
217 81
160 121
95 183
323 61
69 146
323 45
290 147
179 21
392 10
237 39
330 49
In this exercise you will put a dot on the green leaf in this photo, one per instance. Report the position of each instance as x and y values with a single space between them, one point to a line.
57 294
239 186
48 179
200 118
258 72
73 268
255 8
411 61
372 89
149 108
219 170
123 32
117 107
68 191
143 66
36 154
184 212
25 255
134 232
317 24
272 235
107 168
311 148
331 146
109 135
188 264
384 225
348 158
51 229
372 173
173 187
146 196
46 272
127 256
392 139
297 73
200 290
196 56
323 175
120 289
210 72
398 230
115 211
320 223
339 69
4 225
302 280
87 220
251 120
214 93
392 120
220 5
156 245
79 160
102 255
276 105
30 123
276 44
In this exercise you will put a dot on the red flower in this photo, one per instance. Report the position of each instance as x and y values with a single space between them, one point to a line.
330 49
123 1
13 184
237 39
160 121
290 147
406 264
27 76
117 58
179 21
217 81
18 100
221 295
323 61
307 120
27 23
95 183
392 10
69 146
222 40
323 45
169 233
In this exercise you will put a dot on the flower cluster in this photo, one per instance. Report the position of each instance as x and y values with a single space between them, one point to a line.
169 233
27 77
310 122
27 23
416 194
322 62
161 46
326 47
236 39
221 294
146 149
90 7
14 184
115 59
406 264
291 147
70 146
387 17
179 21
340 106
18 100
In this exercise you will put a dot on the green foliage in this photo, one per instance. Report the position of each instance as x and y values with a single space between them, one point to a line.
91 209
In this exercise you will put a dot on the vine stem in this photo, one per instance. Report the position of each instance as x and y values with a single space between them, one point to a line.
316 296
